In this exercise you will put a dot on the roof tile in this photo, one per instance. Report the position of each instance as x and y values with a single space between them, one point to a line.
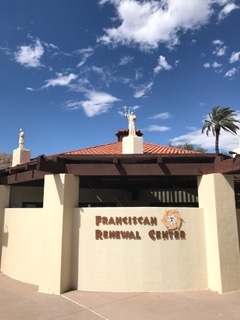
116 148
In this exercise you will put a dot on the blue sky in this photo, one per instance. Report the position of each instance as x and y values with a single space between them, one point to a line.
68 67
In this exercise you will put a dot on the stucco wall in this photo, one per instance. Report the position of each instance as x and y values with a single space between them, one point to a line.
35 241
141 264
221 232
21 244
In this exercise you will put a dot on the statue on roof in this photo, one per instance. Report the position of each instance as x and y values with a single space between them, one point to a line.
131 122
21 139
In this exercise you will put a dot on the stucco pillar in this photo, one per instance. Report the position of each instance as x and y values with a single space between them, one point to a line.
216 197
60 197
132 145
20 156
4 203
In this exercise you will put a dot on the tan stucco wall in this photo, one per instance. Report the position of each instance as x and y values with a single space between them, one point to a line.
60 197
55 247
216 197
138 265
21 244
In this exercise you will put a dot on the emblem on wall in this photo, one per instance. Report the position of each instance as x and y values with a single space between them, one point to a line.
172 219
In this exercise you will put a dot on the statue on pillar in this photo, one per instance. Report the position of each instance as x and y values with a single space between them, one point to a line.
20 154
131 122
21 139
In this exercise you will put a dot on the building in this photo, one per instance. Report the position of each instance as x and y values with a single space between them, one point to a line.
122 217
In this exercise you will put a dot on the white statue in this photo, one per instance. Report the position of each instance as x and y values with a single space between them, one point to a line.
21 139
131 122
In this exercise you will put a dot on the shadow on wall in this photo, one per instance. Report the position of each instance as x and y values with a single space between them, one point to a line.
60 185
3 233
5 236
75 248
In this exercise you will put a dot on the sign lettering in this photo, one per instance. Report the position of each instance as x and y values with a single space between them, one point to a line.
170 234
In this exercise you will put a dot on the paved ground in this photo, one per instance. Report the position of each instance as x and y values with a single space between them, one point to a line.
19 301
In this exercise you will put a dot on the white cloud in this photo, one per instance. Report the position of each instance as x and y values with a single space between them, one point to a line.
141 90
125 80
177 62
222 2
102 2
227 9
98 70
81 85
220 49
162 65
218 42
161 116
216 64
234 57
61 80
106 75
85 54
29 56
155 127
138 74
135 107
227 140
96 103
191 128
125 60
207 65
149 23
194 137
5 50
48 45
230 73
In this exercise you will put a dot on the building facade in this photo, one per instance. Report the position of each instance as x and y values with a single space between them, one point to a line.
108 219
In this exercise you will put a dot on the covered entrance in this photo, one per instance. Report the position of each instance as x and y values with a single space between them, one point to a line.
95 222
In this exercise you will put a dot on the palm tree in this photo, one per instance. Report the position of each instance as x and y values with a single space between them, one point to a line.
220 118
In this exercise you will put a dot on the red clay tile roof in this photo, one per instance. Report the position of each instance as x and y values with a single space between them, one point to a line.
116 148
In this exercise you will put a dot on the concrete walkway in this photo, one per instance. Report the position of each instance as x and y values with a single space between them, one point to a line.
19 301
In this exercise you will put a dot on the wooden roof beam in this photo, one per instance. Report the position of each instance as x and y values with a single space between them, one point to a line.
138 158
22 177
52 166
227 166
136 169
